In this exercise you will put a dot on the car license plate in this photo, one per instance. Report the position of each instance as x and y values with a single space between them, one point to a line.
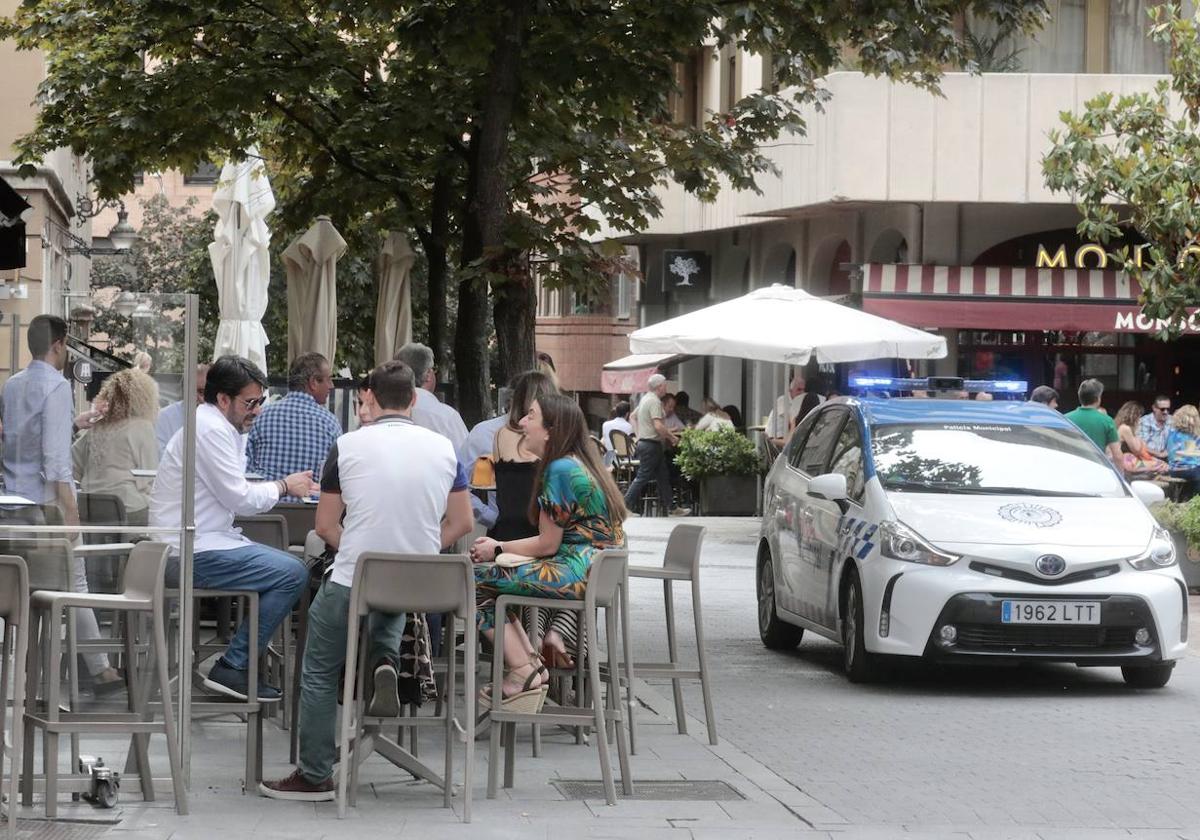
1050 612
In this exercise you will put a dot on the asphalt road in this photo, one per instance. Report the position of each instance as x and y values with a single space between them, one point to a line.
1024 752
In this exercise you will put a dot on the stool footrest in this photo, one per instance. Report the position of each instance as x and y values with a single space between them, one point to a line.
659 573
558 716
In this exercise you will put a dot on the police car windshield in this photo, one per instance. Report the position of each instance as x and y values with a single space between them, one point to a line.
986 458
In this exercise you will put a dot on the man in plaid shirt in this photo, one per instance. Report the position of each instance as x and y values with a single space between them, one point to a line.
294 434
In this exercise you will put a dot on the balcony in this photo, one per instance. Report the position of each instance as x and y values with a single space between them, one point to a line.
879 141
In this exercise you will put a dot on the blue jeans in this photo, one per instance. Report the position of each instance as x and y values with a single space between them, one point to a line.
652 466
275 575
324 656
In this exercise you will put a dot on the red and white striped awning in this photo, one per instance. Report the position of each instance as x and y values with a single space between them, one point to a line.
1006 297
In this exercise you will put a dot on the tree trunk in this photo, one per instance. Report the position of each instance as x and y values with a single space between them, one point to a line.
514 308
487 207
435 244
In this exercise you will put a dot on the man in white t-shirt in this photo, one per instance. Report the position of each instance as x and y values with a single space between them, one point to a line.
402 490
619 422
787 407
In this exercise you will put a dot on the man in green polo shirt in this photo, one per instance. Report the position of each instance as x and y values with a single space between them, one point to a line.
1095 423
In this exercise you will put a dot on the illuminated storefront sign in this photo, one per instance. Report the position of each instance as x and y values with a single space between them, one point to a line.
1099 257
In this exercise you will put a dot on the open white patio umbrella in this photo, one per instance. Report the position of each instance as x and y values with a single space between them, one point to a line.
786 325
240 258
311 265
393 315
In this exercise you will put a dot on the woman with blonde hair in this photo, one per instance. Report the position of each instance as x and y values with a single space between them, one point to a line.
714 417
1136 457
120 441
1183 445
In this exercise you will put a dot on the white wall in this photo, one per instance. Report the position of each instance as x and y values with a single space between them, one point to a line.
884 142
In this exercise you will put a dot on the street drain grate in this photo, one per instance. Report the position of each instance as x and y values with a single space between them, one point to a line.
666 790
50 830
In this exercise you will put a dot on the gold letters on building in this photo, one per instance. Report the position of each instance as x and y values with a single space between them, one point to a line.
1059 258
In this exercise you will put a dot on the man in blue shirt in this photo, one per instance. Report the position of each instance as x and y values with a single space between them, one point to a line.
1153 427
294 434
37 411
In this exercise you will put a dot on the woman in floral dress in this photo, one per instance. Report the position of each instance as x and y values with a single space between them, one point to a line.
578 510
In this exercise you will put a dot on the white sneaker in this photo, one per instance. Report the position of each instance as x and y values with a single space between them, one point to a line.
680 511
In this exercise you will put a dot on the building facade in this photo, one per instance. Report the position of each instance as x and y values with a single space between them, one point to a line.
933 209
55 273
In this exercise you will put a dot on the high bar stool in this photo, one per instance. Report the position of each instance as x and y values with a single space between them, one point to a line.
142 592
682 563
405 583
605 590
250 709
14 610
271 529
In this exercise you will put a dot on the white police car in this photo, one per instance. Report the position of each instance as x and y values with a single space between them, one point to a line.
959 530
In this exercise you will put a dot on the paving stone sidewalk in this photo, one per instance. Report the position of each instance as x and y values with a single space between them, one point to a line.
755 802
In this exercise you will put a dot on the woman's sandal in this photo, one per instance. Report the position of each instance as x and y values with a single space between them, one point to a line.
528 700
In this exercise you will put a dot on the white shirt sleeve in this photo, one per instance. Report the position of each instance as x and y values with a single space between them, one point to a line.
220 467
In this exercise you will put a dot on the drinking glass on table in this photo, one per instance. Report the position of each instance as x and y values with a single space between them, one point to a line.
317 475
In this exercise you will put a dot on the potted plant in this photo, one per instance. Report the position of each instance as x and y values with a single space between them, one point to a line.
725 464
1182 520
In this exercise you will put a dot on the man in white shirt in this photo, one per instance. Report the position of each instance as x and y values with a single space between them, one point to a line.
170 419
401 489
618 421
787 407
428 411
223 558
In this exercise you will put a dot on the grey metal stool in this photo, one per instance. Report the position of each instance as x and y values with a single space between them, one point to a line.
249 709
14 610
142 592
605 590
403 583
682 563
271 529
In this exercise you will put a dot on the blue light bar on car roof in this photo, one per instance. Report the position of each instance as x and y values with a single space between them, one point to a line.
940 383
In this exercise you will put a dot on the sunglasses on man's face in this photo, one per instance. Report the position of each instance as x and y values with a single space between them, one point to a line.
1162 408
253 403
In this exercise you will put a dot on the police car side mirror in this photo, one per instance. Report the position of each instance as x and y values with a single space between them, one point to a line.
1147 492
830 487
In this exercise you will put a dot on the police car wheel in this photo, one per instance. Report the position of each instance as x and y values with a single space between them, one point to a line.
861 666
775 634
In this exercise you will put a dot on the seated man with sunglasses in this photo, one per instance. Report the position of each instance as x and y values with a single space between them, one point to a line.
223 558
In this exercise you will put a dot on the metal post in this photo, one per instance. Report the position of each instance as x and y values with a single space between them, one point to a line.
187 537
14 359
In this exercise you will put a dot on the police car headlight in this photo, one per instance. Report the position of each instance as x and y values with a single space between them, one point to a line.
1160 554
899 542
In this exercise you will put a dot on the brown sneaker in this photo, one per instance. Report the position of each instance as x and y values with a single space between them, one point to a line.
298 789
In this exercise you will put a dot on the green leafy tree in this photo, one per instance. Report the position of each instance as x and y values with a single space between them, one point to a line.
1132 163
497 131
170 256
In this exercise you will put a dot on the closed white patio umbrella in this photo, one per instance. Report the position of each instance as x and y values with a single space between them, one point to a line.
393 314
240 258
311 264
786 325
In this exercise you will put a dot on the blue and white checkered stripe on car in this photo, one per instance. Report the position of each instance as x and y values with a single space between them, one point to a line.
856 537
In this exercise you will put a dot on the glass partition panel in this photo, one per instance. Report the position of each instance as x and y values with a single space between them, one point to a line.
89 410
